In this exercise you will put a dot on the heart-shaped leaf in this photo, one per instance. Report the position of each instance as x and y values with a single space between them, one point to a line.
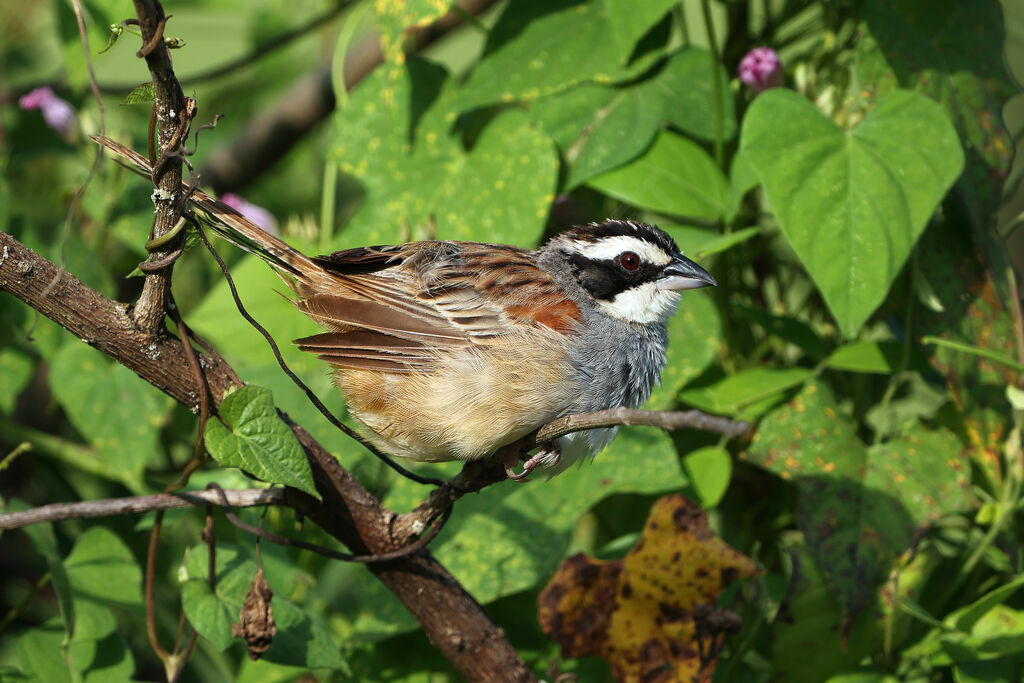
258 441
852 203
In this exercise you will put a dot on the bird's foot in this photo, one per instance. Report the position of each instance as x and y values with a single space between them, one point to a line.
549 455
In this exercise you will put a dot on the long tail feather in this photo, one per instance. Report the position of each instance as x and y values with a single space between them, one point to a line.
228 223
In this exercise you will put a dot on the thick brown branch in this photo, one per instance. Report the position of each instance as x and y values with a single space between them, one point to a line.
450 617
56 512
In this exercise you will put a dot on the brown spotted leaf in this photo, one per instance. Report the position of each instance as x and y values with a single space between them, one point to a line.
859 506
645 613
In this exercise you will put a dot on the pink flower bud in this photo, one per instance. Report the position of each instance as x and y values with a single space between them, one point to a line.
257 214
761 69
57 113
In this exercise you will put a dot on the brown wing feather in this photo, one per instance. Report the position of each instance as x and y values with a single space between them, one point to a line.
394 308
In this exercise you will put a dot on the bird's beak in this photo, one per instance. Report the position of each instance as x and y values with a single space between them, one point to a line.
682 273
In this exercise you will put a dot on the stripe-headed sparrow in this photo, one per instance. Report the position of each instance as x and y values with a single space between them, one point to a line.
454 350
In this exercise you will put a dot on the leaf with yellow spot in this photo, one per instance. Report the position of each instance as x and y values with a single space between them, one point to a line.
421 183
859 506
538 49
396 17
643 613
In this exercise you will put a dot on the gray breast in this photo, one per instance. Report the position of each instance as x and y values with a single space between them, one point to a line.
619 363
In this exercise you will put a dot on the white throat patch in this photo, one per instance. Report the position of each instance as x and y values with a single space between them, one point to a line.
609 247
643 304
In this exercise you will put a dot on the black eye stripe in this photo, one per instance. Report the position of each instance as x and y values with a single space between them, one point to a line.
606 279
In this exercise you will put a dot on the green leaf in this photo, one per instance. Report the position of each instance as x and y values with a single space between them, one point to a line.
675 176
618 129
810 614
142 94
537 49
45 543
302 639
209 615
41 653
859 507
254 438
967 617
882 357
630 20
395 18
395 138
787 328
686 92
728 396
599 128
120 414
101 571
694 333
955 57
709 470
742 179
987 354
16 369
852 203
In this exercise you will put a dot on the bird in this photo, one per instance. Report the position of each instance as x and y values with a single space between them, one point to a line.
448 350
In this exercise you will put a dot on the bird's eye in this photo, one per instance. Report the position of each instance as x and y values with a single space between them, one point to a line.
629 260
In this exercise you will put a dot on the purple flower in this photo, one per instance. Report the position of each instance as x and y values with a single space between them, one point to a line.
257 214
761 69
57 113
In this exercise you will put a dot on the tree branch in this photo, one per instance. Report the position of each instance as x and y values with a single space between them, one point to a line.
453 621
56 512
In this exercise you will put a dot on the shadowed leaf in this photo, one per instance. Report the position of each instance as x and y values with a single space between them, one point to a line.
859 507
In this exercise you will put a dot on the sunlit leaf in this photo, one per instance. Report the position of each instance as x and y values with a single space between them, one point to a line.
675 176
852 203
396 139
538 49
253 437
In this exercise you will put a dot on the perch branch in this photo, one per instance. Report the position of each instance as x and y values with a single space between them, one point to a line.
479 474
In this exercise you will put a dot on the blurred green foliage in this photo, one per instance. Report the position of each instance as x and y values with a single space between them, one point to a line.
860 219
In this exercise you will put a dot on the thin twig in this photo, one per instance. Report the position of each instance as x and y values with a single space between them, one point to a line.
109 507
478 474
374 558
666 419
